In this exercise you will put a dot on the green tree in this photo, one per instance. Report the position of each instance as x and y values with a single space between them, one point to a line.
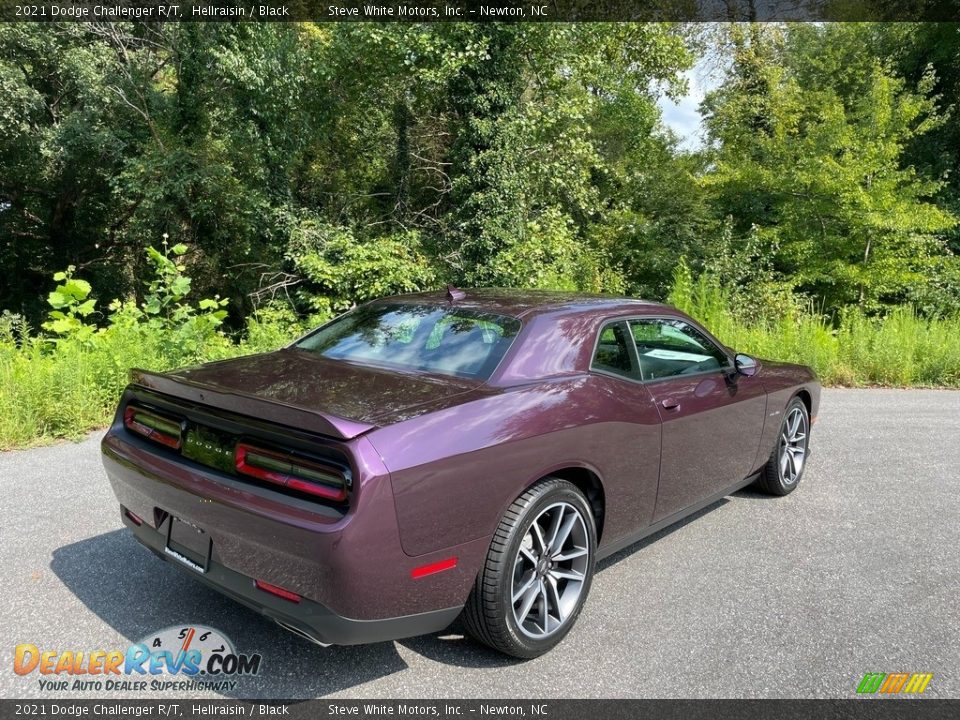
812 160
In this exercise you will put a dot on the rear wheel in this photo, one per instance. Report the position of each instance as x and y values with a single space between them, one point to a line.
537 573
784 469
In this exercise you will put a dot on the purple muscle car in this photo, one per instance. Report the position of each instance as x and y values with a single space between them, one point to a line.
442 454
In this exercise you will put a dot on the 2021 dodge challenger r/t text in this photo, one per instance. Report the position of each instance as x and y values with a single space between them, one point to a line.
427 456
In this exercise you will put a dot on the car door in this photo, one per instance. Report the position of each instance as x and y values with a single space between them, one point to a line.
630 441
711 418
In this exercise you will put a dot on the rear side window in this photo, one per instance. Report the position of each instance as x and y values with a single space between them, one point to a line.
611 354
429 338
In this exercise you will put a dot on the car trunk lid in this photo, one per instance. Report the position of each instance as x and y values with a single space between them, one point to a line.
299 389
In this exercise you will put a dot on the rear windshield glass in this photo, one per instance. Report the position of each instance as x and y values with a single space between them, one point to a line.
431 338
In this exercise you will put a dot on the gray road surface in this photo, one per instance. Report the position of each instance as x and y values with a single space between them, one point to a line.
857 571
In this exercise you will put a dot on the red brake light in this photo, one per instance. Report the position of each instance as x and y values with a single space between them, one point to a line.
291 472
276 590
154 426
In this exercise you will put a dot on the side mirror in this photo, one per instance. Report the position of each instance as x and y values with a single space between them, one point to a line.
746 365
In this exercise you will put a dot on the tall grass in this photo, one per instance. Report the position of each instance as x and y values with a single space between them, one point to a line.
901 349
65 382
54 388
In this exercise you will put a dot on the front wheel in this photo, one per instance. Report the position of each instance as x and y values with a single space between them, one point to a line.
537 573
782 473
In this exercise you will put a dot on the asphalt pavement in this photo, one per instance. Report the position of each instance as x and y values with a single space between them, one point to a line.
857 571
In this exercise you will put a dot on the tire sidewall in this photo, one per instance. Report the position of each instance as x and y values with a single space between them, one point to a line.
566 492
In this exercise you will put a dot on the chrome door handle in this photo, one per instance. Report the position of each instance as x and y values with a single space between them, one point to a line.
670 404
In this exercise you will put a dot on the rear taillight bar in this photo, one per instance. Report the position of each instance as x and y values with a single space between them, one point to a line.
154 426
291 472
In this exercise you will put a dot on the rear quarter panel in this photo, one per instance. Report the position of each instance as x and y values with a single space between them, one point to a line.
455 471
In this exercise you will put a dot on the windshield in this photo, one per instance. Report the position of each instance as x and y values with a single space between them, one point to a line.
430 338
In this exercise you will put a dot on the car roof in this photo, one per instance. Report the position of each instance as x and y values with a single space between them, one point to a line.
526 303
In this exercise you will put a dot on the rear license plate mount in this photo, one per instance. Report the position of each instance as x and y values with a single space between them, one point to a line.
188 544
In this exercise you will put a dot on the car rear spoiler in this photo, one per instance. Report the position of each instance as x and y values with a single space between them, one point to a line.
241 403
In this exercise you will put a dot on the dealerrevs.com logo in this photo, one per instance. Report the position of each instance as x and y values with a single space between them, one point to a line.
178 658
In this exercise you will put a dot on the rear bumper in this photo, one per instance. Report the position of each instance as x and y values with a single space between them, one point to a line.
355 581
306 618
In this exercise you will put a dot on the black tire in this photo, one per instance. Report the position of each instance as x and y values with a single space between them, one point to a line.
490 615
781 476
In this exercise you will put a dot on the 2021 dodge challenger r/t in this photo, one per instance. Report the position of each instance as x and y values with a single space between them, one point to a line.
461 453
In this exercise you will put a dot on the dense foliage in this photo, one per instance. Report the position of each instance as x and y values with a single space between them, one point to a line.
67 383
284 172
325 164
402 155
813 138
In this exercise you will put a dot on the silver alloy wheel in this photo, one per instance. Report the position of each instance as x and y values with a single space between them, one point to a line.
549 570
793 446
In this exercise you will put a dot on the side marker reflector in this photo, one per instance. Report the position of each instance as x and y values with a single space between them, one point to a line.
276 590
432 568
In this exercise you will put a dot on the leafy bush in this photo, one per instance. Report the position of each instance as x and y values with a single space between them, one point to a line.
342 271
550 256
70 307
273 326
64 384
